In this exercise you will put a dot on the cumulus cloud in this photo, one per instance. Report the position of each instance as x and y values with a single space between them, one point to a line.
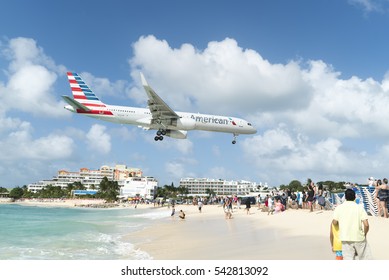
180 168
175 169
98 140
222 78
31 78
283 155
17 143
103 87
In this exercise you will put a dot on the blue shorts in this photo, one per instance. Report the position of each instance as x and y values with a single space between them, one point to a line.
338 253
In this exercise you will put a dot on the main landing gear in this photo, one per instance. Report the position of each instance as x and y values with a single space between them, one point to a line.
160 134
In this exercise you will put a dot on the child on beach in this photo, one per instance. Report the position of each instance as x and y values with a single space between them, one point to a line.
181 214
336 244
227 209
270 205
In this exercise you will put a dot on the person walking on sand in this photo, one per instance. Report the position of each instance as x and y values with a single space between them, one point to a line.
200 205
173 211
248 206
353 225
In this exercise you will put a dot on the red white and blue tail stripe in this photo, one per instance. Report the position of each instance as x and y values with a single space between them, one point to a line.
84 95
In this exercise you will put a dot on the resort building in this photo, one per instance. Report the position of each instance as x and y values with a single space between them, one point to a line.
91 180
122 172
145 187
199 186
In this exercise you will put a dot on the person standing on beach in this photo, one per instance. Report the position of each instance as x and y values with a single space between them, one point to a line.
336 244
200 205
226 208
270 205
311 196
353 225
304 200
173 211
248 206
377 185
383 196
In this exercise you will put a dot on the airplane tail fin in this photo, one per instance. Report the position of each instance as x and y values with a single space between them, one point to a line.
83 94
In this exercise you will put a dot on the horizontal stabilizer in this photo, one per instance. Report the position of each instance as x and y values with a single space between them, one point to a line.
75 104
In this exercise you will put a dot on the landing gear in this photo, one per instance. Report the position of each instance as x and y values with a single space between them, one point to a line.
234 140
160 134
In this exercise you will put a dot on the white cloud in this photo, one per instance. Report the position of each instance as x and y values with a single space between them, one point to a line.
369 5
220 172
222 78
17 143
103 87
98 140
125 133
175 170
31 78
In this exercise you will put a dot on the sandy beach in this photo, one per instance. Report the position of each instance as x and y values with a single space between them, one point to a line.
57 202
291 235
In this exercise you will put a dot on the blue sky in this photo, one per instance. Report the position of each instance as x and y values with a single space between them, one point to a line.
312 77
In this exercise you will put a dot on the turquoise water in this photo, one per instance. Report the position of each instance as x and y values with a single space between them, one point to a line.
50 233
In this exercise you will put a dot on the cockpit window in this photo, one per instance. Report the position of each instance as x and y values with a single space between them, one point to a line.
249 124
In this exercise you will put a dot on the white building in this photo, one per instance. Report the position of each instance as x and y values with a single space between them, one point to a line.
199 186
89 178
145 187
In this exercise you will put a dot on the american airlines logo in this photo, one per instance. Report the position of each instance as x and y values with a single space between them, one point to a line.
214 120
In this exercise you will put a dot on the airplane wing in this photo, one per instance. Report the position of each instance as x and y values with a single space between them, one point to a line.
75 104
160 111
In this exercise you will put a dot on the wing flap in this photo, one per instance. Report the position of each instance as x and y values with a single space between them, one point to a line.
158 108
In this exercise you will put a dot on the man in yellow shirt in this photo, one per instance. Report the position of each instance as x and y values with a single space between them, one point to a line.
353 228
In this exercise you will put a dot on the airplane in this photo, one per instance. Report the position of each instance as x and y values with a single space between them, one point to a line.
158 116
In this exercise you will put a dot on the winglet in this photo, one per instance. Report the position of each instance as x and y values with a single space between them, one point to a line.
144 82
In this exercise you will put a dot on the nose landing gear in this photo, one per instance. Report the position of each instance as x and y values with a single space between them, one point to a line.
234 139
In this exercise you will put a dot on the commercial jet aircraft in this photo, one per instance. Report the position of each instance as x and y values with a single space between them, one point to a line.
158 116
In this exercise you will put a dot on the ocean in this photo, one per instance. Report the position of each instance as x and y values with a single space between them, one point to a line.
56 233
